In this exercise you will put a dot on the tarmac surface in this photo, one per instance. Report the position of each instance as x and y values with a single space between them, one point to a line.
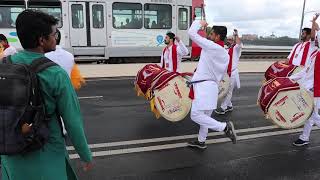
128 142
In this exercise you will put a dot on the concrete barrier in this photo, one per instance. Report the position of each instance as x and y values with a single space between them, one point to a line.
120 70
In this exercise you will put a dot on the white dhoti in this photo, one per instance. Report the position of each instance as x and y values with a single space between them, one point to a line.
234 81
313 120
205 101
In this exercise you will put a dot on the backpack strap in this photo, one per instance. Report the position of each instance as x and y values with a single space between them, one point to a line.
41 64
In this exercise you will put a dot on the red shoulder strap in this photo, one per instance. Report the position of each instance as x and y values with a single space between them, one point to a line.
317 76
230 52
293 54
174 58
305 54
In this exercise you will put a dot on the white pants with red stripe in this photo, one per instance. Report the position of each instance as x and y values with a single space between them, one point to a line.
206 122
313 120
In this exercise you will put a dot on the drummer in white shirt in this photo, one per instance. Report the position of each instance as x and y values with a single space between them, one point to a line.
301 52
210 70
62 57
234 50
172 54
307 79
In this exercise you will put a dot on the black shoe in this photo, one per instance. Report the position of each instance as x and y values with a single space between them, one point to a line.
229 109
220 111
230 132
300 143
197 144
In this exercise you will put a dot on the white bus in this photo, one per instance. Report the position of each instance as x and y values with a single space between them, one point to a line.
107 29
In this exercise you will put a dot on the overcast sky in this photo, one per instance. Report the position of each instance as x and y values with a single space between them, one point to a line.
261 17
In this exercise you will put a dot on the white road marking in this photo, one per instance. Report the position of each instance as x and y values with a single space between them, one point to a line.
111 79
180 145
90 97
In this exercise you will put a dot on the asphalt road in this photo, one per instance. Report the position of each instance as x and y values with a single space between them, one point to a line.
130 143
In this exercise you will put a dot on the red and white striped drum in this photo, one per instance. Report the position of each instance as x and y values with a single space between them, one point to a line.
285 103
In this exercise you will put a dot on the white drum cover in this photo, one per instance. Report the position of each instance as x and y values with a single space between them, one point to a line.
172 100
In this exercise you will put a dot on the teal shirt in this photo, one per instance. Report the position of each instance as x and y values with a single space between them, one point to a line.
52 162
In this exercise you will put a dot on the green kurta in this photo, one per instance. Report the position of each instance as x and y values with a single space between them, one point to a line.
52 162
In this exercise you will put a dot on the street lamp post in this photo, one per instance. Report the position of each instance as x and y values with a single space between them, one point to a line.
302 18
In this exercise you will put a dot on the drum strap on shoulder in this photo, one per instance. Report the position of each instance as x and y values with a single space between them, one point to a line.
190 83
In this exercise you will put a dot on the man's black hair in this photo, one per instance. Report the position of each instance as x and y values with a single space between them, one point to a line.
171 35
59 37
32 25
3 38
307 30
220 30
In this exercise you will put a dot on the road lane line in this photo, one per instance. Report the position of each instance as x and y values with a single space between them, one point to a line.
174 138
90 97
180 145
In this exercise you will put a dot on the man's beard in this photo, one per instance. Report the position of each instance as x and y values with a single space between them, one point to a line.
166 42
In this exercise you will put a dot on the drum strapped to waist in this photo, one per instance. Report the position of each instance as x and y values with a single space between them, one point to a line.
168 92
224 86
285 103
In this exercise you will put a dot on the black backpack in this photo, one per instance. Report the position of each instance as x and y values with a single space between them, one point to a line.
23 118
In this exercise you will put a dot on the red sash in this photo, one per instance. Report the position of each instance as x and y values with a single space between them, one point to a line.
230 52
174 57
317 76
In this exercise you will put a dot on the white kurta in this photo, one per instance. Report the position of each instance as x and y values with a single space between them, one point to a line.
306 80
9 51
297 57
63 58
182 50
212 66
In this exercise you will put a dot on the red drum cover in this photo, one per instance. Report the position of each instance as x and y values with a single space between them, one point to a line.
279 69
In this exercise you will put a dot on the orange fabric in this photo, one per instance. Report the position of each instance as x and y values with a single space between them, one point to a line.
77 79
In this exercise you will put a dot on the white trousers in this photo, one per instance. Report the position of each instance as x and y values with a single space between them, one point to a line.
227 100
206 122
313 120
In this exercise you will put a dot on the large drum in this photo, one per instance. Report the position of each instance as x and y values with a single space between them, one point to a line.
285 103
167 92
172 99
281 69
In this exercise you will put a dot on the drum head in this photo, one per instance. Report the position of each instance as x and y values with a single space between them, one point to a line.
172 100
224 86
290 109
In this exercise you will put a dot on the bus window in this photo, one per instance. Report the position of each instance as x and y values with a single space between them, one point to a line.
53 11
183 19
127 15
52 8
77 16
97 16
8 16
157 16
198 13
